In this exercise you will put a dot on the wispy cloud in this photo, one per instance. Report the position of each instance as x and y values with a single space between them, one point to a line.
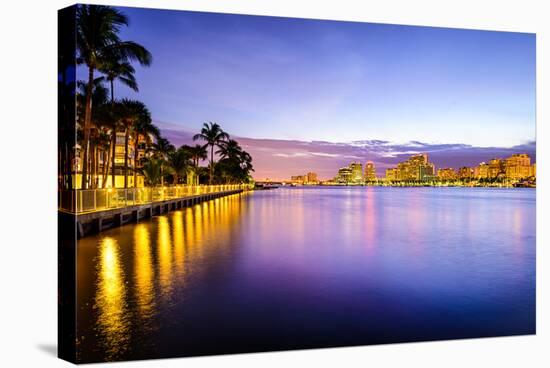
279 159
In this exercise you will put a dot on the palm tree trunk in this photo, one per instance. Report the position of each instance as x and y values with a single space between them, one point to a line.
136 139
113 138
126 137
106 163
92 164
113 154
87 120
211 164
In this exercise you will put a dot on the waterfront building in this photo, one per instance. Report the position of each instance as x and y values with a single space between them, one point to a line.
344 175
481 171
417 167
391 174
447 173
465 172
370 171
518 166
298 179
496 168
104 162
356 172
312 178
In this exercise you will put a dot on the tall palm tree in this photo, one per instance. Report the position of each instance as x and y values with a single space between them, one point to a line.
162 149
145 128
99 97
97 42
213 135
116 68
132 112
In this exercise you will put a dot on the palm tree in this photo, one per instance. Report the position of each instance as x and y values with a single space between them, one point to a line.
116 68
97 42
230 149
99 97
213 135
132 112
196 153
152 170
145 128
179 162
162 149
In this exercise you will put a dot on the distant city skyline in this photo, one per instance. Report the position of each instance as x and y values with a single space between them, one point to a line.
312 94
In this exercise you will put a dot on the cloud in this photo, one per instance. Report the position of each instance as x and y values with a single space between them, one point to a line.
279 159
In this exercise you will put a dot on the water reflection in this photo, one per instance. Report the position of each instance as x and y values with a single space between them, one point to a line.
276 269
164 253
112 323
143 270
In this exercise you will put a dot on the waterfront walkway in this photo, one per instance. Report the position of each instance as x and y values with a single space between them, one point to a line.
97 209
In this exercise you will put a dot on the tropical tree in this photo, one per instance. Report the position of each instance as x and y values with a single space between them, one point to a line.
116 68
162 149
145 128
99 97
179 162
214 136
132 112
151 169
98 42
196 153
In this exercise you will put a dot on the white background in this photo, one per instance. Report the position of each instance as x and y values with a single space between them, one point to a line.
28 249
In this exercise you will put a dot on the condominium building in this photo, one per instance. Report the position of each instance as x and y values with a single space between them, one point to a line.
370 171
356 172
417 167
447 173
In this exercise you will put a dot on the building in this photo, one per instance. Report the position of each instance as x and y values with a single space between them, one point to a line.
370 171
518 166
356 172
481 171
416 168
391 174
312 178
447 173
344 175
298 179
496 168
465 172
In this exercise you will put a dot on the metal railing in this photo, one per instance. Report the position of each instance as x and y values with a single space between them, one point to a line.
90 200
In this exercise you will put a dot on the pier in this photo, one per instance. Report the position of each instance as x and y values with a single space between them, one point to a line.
93 211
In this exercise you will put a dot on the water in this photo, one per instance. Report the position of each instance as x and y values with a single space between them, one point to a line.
310 267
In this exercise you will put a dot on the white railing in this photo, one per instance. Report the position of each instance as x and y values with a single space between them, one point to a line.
90 200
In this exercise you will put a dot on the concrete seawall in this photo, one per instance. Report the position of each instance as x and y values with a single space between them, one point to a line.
95 222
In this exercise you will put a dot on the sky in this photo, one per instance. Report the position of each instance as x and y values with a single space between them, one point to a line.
312 95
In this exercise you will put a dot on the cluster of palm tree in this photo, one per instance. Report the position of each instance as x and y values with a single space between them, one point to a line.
101 117
182 165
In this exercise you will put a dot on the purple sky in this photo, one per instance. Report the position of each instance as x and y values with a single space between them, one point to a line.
309 95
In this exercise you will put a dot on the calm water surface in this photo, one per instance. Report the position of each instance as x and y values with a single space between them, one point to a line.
310 267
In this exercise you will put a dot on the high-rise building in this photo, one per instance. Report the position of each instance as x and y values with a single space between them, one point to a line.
518 166
312 178
392 174
496 168
481 171
356 172
344 175
447 173
465 172
417 167
370 171
298 179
